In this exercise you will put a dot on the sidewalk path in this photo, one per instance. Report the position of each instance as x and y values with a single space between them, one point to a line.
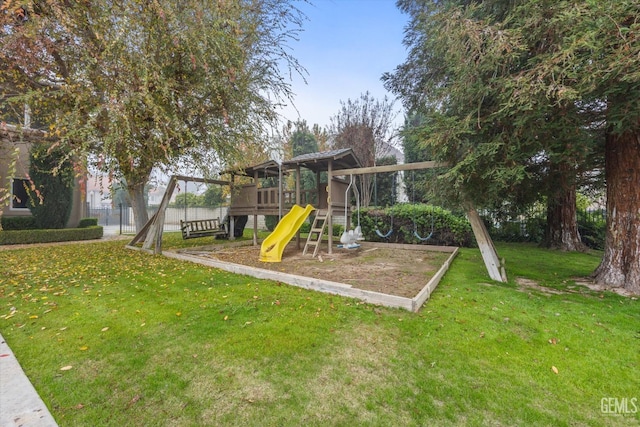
20 404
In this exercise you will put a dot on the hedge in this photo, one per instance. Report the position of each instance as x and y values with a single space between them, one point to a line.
88 222
404 220
16 237
18 222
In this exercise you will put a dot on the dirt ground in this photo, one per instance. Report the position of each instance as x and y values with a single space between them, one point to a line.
394 271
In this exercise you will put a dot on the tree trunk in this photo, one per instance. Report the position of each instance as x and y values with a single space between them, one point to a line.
561 231
620 266
138 203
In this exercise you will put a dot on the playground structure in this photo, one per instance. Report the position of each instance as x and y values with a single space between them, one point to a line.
328 199
254 199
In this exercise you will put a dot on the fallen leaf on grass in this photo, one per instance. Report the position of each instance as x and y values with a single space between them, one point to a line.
133 400
554 369
66 368
84 348
553 341
105 329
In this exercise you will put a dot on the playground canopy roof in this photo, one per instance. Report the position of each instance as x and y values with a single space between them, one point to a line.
265 170
343 158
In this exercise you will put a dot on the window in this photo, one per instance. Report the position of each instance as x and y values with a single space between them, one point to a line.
19 196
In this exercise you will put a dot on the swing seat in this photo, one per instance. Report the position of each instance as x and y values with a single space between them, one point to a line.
422 239
202 228
384 236
358 233
349 246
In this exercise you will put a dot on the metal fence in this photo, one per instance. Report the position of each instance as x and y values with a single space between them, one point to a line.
121 220
530 226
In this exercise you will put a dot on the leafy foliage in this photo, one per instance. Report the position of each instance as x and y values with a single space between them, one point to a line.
593 228
187 199
406 219
141 85
88 222
522 98
303 141
213 196
51 197
18 223
385 186
20 237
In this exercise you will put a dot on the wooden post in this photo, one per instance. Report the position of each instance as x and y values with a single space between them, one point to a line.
487 249
298 189
318 187
329 207
255 230
229 211
152 231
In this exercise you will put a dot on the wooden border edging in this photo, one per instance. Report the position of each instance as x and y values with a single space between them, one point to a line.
425 293
410 304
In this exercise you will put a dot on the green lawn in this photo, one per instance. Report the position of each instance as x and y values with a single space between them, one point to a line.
148 341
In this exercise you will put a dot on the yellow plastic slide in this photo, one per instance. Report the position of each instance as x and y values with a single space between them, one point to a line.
273 246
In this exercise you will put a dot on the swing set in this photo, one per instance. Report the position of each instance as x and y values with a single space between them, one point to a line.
494 266
416 234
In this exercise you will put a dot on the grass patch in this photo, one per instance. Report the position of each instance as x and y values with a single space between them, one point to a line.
153 341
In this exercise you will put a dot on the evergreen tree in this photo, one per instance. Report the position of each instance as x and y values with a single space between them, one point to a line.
513 90
52 174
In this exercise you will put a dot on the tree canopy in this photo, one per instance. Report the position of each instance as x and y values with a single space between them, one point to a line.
139 84
365 125
512 90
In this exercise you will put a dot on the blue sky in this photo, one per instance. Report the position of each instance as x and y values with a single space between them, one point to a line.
346 46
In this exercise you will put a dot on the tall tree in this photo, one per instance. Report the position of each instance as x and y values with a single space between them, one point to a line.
417 182
366 126
507 84
140 84
303 141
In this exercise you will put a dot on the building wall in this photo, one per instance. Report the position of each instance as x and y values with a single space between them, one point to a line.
14 163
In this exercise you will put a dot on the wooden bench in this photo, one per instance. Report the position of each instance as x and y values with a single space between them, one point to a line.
202 228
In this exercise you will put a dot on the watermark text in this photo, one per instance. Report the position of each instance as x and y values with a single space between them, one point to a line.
619 405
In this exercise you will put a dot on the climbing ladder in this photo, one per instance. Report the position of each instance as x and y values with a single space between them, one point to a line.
315 233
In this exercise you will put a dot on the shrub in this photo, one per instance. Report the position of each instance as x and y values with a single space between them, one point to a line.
592 227
52 175
305 227
17 237
270 221
87 222
443 227
18 223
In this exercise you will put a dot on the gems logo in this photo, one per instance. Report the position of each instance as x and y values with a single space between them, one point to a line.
616 406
